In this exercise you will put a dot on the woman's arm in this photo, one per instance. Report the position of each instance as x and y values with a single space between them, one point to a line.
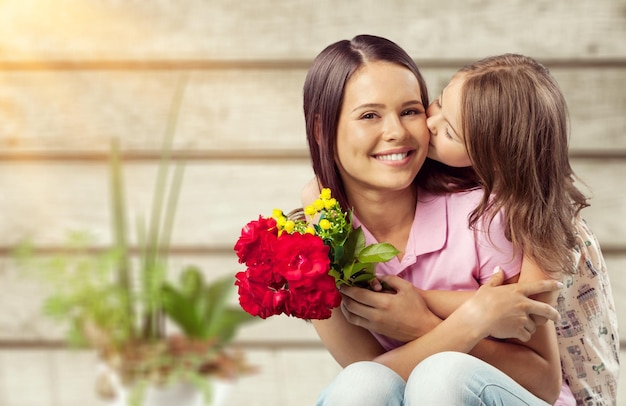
494 310
346 342
501 312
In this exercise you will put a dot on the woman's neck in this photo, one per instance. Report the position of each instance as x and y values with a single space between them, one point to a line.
387 215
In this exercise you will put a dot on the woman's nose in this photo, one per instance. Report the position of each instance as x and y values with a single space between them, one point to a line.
394 129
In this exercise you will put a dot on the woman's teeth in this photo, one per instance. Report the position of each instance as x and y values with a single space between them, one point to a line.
393 157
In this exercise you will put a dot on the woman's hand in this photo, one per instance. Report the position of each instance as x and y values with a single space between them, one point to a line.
398 311
506 311
500 311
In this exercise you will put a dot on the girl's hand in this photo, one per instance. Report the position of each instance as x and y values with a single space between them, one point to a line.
506 311
394 307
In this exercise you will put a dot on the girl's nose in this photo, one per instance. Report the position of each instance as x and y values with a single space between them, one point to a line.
431 118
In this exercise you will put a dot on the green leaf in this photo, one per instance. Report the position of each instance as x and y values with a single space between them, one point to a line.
232 319
353 270
339 254
180 309
191 281
374 253
336 274
354 243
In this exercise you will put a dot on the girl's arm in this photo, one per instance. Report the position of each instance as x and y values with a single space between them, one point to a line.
518 362
514 358
444 302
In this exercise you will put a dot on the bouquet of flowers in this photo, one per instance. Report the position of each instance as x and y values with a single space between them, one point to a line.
295 266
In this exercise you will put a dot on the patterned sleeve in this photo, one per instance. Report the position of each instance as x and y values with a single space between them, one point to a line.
587 332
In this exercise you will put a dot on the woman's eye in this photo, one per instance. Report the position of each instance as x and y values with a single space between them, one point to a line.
412 112
438 102
447 133
368 116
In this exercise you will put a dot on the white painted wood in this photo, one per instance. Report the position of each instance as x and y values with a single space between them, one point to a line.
279 29
218 198
232 109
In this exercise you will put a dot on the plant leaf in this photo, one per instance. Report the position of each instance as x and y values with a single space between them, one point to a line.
356 273
354 243
381 252
232 319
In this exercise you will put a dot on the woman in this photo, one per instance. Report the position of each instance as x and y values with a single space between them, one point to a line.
364 104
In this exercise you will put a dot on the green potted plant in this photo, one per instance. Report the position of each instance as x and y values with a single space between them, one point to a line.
149 331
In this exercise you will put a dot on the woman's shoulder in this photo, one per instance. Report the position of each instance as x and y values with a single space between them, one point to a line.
468 199
310 192
464 200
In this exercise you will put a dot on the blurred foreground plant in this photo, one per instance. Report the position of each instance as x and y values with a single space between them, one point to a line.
120 305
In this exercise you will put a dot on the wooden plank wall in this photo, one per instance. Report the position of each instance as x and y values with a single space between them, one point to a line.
75 73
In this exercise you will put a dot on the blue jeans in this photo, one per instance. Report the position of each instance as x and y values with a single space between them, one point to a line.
446 379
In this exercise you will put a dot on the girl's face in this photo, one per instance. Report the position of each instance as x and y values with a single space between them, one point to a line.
382 138
447 144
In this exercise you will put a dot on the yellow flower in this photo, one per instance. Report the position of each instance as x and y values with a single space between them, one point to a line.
318 204
289 226
277 213
280 222
310 230
310 210
330 203
325 224
325 194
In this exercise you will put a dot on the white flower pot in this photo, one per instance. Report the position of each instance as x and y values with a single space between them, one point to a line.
177 394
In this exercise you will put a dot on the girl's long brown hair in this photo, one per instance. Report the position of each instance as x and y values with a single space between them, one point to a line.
515 123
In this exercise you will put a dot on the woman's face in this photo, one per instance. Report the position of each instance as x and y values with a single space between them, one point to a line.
382 138
447 144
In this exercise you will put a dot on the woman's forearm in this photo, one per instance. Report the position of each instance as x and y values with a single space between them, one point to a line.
346 342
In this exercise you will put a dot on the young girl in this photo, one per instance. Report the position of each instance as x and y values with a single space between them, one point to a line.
506 117
364 104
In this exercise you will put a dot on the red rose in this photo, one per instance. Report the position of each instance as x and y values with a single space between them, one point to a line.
256 241
258 299
265 273
301 257
315 299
